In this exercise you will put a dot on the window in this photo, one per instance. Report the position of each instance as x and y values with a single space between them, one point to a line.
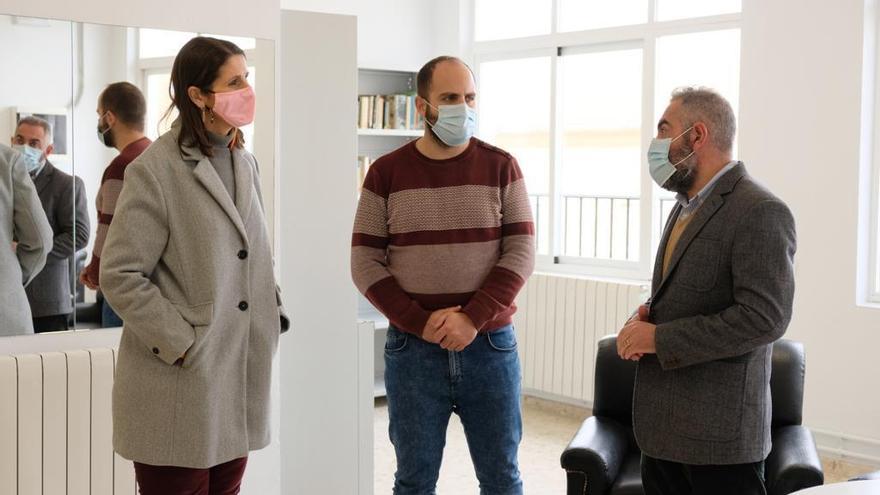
516 117
501 19
578 15
157 50
573 89
601 147
682 9
868 278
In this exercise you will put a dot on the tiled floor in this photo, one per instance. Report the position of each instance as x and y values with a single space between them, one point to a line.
548 427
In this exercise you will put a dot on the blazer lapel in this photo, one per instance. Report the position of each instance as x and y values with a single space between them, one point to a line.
705 213
45 177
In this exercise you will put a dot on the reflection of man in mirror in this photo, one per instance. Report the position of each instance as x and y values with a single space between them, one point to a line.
122 113
25 240
64 201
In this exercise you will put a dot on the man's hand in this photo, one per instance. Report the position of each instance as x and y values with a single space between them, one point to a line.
636 339
85 280
460 332
432 332
641 314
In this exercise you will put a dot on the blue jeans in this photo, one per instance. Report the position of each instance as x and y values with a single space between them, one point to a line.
426 384
109 318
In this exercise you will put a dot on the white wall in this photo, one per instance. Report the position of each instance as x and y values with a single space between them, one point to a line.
800 133
257 18
392 34
37 74
319 356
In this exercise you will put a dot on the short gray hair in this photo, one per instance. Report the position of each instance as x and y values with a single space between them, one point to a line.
700 104
36 121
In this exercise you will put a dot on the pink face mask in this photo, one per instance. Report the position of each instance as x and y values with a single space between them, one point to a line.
236 107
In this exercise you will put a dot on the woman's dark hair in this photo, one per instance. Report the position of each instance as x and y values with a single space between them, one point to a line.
198 64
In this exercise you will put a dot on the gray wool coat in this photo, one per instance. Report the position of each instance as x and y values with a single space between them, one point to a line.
22 220
704 398
190 271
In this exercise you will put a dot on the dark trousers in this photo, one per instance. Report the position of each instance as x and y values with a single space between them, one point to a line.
222 479
54 323
661 477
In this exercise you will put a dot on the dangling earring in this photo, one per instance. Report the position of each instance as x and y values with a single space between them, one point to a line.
210 114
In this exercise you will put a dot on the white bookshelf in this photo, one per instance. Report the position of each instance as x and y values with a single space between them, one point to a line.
374 143
410 133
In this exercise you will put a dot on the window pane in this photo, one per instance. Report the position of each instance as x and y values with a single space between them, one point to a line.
578 15
161 43
514 101
601 159
158 102
502 19
682 9
718 53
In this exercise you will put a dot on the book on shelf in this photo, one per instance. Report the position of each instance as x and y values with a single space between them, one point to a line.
397 111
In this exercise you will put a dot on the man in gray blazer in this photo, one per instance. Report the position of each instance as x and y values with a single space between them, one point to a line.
64 202
25 240
721 295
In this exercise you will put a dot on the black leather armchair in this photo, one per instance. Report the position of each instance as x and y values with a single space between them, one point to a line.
603 457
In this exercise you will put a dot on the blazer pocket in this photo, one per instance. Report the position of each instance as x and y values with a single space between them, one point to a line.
707 401
200 317
698 269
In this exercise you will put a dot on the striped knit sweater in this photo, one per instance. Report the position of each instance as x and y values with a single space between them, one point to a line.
108 194
432 234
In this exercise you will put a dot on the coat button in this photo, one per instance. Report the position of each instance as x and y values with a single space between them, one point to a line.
243 254
155 350
243 305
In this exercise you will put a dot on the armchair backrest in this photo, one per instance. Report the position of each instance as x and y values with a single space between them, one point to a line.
614 382
787 382
615 378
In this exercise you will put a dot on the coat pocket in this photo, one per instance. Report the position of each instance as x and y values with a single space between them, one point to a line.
200 317
707 401
698 269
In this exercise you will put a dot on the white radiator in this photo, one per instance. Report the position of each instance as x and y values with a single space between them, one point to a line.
56 427
559 321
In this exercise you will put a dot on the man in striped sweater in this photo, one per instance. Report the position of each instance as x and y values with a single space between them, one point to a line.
443 241
122 113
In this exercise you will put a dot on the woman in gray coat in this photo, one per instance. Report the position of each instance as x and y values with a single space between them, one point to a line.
25 241
188 267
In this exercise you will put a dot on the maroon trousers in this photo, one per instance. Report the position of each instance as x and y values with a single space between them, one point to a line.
222 479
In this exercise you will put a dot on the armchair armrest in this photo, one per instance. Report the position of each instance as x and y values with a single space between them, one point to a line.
793 463
595 453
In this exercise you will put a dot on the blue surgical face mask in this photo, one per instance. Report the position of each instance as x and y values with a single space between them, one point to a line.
33 158
455 123
659 166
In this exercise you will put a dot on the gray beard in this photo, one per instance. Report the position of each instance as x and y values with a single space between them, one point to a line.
682 180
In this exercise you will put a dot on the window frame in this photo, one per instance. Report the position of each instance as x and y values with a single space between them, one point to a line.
558 44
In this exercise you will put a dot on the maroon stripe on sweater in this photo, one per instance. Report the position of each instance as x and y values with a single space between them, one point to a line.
401 309
521 228
459 236
368 240
116 169
495 297
406 168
